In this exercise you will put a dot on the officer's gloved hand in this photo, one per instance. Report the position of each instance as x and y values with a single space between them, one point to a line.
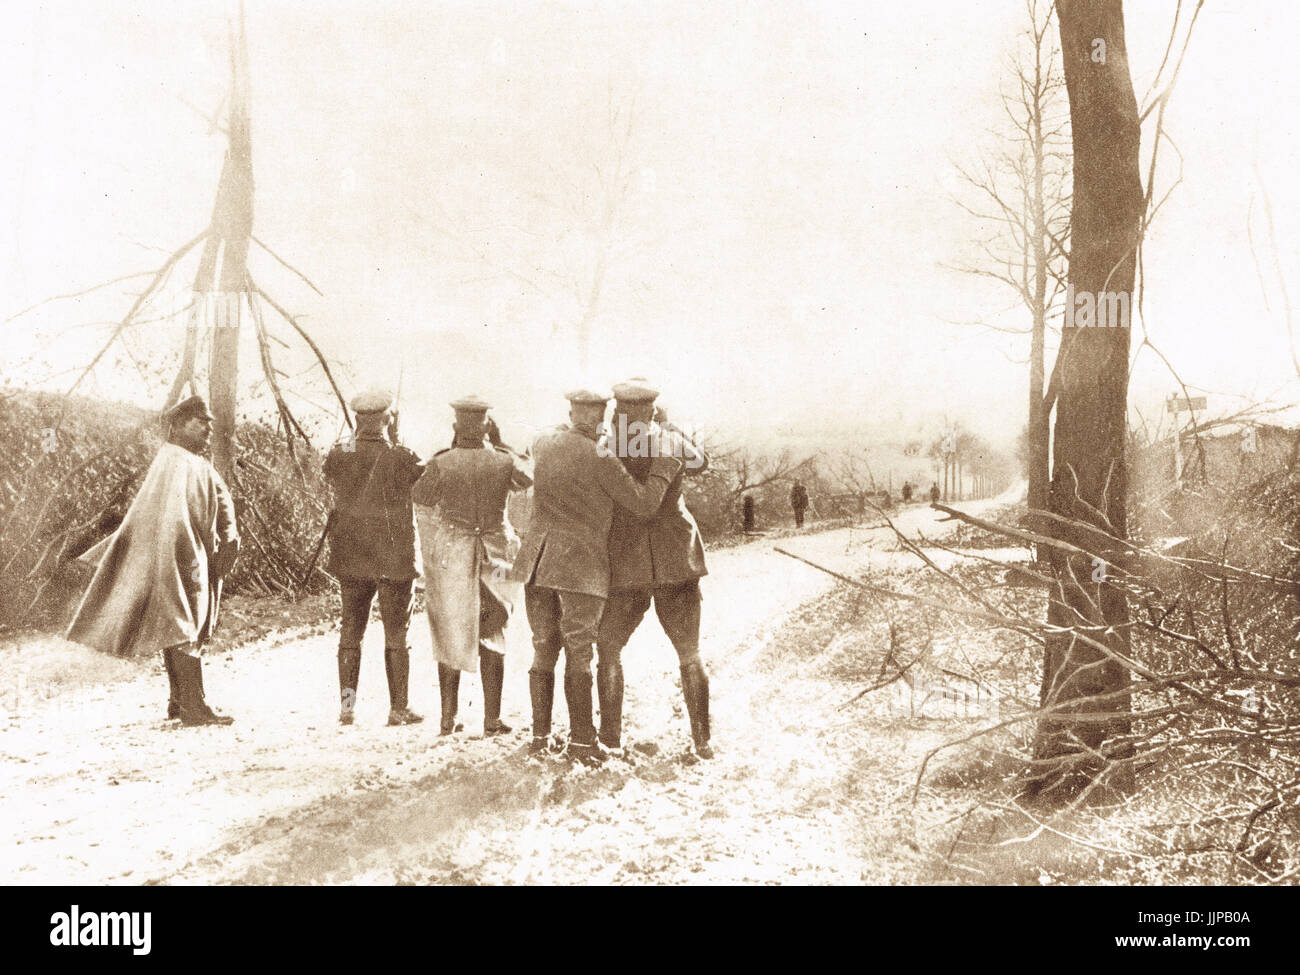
665 467
493 432
224 560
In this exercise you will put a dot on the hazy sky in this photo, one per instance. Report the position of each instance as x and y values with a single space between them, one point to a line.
777 260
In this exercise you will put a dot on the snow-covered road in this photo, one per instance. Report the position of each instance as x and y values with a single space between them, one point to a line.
97 788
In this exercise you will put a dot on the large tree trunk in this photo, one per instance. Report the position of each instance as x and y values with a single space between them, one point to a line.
1089 475
223 270
223 380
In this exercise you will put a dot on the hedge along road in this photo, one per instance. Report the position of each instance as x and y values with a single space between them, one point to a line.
98 788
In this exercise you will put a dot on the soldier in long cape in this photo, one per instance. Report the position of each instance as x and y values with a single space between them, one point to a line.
158 577
467 545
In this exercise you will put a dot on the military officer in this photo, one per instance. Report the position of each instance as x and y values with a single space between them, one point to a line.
467 544
660 560
158 577
564 561
372 547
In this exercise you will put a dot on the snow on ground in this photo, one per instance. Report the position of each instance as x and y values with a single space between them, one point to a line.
98 788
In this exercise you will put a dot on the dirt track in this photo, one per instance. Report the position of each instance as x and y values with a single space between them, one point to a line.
98 788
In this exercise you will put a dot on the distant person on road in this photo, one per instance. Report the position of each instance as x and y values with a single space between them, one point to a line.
907 492
934 492
467 545
157 585
747 513
799 502
372 547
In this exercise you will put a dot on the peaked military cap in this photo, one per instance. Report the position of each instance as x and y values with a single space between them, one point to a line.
589 396
471 404
635 390
187 408
372 400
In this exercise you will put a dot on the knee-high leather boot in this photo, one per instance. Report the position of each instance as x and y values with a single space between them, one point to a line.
609 691
189 678
449 695
541 690
173 686
695 688
492 671
582 732
349 672
397 664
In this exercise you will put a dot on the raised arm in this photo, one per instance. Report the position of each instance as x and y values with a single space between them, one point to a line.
694 459
428 489
642 500
521 476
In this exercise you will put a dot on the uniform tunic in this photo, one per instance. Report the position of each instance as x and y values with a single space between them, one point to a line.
577 490
564 561
373 533
666 550
660 560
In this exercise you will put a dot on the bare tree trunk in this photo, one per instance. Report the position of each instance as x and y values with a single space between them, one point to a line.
1033 229
223 271
223 379
1089 475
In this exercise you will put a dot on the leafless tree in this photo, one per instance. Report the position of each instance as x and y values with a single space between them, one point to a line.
222 288
750 471
575 237
1022 193
851 471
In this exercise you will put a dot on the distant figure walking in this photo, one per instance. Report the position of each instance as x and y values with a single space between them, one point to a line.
747 513
799 502
934 491
907 492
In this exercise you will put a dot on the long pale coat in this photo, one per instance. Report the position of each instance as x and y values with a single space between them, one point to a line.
467 546
154 586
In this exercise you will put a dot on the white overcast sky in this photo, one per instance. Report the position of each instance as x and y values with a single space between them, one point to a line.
779 261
